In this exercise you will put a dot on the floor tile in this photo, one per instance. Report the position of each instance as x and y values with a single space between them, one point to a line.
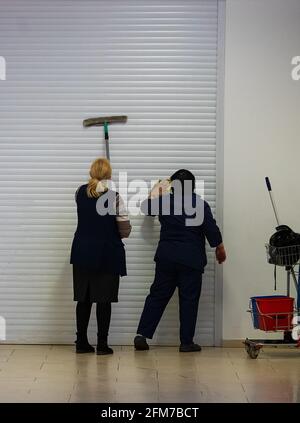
56 374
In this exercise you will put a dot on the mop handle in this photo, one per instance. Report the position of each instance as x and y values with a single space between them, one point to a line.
268 183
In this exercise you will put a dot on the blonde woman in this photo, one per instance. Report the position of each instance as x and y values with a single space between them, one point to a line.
98 255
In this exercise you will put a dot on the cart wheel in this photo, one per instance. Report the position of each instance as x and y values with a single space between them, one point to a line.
252 351
247 348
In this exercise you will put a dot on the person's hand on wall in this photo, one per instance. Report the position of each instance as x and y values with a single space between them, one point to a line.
220 253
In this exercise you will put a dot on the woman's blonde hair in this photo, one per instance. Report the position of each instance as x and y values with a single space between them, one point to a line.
100 169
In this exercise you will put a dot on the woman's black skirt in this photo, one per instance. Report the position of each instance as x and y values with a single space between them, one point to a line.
95 286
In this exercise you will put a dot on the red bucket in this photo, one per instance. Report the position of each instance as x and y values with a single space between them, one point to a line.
275 313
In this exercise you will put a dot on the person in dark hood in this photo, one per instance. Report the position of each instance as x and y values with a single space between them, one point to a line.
186 223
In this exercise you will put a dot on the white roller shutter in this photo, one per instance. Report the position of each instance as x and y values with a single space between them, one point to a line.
155 61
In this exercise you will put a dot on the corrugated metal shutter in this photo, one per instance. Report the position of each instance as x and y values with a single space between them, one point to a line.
155 61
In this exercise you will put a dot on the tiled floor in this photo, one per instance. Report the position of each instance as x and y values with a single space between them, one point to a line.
56 374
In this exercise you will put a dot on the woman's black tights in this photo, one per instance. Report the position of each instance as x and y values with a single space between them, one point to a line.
103 313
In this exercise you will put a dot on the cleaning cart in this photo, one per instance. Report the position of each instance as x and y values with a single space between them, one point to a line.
278 313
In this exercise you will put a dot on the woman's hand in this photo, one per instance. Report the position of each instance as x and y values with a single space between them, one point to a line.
160 188
220 253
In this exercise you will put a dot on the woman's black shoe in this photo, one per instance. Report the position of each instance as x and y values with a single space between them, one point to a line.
103 348
189 348
82 345
83 349
140 343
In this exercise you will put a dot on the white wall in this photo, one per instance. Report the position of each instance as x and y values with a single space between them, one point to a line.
262 137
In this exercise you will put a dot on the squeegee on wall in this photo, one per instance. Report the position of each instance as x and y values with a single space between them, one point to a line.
105 121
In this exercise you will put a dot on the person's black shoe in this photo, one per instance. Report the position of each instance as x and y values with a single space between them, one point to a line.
84 349
103 348
140 343
82 345
189 348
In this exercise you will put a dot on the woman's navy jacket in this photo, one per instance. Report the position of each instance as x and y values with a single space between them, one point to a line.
97 243
179 241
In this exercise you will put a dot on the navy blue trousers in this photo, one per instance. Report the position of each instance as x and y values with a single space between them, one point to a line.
168 276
